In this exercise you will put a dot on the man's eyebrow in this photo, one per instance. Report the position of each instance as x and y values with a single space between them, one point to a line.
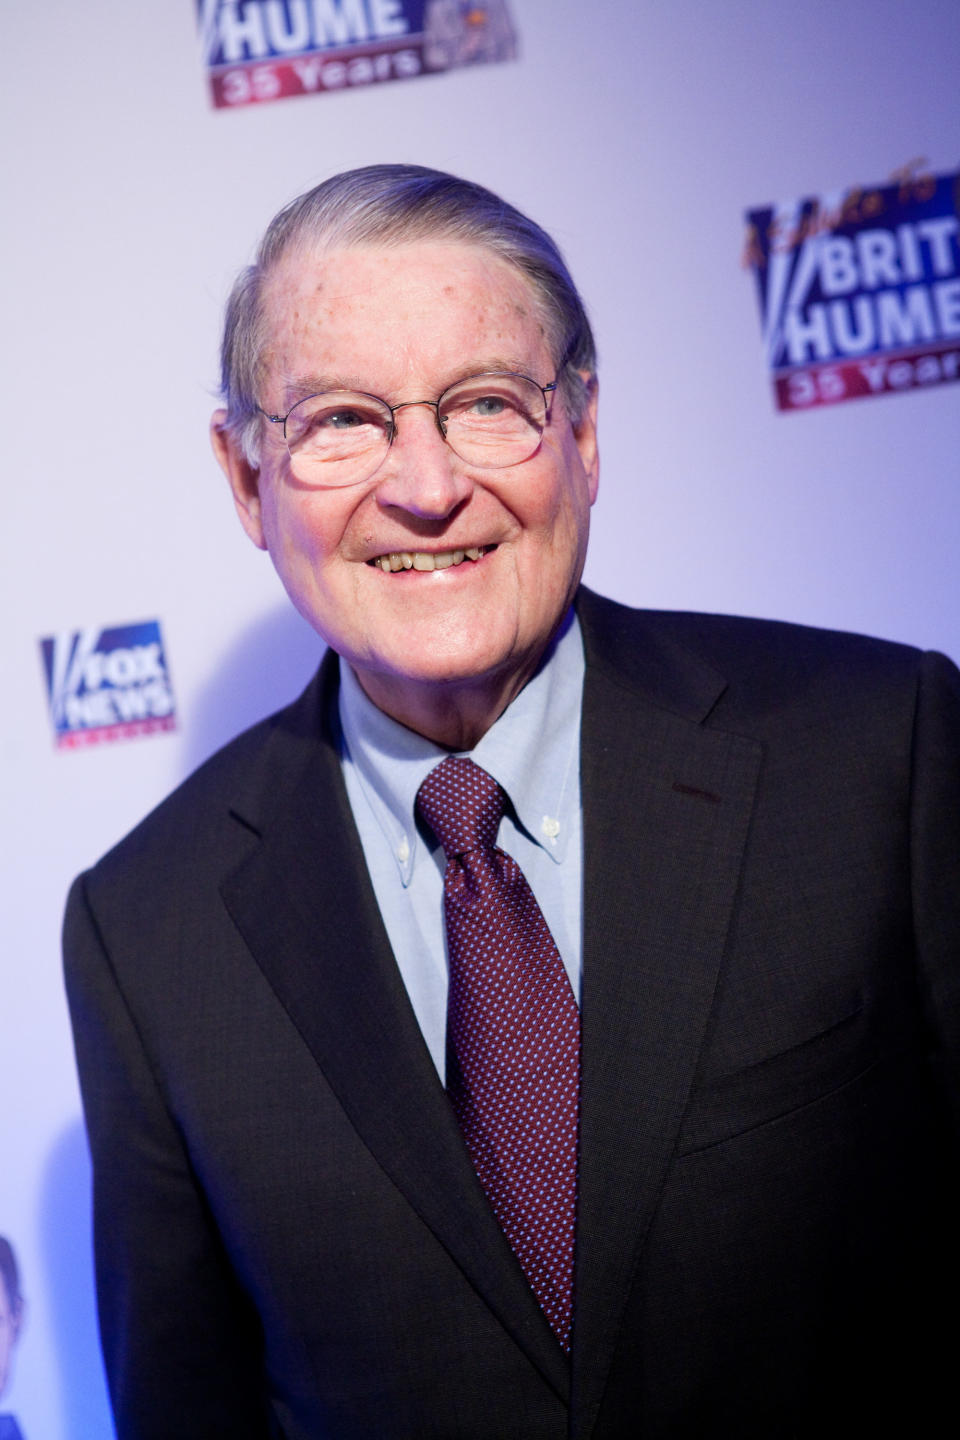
296 388
490 365
299 387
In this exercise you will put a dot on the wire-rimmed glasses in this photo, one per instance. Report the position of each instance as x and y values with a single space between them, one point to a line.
341 437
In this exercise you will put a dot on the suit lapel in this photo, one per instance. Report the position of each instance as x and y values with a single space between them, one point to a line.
305 907
667 803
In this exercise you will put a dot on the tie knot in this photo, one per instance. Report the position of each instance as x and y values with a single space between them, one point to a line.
462 804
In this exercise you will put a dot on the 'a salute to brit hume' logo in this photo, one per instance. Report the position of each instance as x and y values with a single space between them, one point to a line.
257 50
860 290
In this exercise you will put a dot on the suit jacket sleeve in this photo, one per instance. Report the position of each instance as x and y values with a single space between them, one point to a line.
173 1320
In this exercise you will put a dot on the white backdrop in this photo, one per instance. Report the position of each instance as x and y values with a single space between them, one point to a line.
638 132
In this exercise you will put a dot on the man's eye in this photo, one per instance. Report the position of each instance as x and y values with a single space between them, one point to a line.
329 427
488 406
343 419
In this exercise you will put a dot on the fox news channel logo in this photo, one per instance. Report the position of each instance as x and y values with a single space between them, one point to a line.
256 50
860 291
107 684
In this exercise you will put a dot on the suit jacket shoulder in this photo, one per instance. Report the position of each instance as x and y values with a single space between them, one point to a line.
188 838
765 662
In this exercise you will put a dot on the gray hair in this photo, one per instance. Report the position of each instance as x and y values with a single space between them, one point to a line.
397 204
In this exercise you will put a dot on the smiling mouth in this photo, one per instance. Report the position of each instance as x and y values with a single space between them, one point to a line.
428 559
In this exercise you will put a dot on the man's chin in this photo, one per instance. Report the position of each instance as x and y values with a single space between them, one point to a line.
443 679
440 671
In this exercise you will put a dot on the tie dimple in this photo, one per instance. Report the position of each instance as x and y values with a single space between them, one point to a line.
513 1035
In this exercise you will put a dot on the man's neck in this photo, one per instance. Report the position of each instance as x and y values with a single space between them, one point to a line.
456 716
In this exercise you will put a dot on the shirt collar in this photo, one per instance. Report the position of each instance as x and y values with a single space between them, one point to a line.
532 750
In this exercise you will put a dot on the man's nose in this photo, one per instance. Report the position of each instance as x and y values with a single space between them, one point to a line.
421 474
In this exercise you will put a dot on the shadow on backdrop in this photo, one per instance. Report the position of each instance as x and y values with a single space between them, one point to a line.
266 667
68 1258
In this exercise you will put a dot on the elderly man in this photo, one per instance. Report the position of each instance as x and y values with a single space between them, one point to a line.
547 1026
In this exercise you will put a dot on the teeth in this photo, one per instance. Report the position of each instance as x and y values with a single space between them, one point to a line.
426 560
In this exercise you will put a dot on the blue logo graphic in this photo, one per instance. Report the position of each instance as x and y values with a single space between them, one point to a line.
257 50
860 290
108 685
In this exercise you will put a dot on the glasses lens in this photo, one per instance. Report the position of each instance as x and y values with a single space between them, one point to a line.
493 419
338 438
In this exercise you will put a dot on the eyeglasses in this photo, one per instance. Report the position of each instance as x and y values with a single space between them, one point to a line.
342 437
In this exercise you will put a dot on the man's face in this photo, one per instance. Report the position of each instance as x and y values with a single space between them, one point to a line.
403 323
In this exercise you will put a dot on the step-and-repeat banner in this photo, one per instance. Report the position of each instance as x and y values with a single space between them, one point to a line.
760 204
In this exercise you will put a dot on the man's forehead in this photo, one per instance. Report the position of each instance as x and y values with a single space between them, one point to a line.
383 298
328 275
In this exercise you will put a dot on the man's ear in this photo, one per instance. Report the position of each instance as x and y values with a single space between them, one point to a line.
243 478
585 433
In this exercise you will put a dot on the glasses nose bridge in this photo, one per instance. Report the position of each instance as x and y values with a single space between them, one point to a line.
434 405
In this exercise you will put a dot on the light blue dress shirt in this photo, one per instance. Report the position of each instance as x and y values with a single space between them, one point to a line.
533 752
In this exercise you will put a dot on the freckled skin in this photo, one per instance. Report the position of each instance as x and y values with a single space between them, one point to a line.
442 652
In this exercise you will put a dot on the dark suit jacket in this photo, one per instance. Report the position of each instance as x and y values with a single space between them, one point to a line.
290 1238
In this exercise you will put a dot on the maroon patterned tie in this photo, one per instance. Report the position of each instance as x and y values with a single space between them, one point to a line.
513 1035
